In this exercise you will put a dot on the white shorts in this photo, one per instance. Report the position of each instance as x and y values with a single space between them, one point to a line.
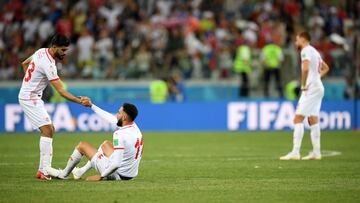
310 102
35 112
100 162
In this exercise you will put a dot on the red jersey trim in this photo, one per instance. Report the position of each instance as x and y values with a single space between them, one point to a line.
128 126
119 148
47 55
48 50
54 79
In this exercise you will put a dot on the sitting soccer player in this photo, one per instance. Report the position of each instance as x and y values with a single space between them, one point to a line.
113 161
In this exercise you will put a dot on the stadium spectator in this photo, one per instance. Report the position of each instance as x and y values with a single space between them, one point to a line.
85 48
225 62
104 54
242 67
158 91
175 32
176 88
271 58
142 61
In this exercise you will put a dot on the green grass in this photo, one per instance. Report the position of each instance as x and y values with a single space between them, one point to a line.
192 167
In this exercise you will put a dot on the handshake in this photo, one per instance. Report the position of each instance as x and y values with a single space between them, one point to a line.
85 101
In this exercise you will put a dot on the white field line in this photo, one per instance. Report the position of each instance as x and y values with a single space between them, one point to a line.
327 153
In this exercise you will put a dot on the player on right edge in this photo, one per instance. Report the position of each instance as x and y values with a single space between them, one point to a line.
312 69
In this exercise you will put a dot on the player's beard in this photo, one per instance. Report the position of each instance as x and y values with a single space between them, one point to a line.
119 123
58 56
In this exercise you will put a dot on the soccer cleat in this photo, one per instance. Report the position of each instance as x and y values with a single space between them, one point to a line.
76 173
312 156
56 173
41 176
290 156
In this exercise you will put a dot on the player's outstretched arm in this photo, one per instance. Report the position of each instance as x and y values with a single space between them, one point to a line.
324 69
104 114
58 85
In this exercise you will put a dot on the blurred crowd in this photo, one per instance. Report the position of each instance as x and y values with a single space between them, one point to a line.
129 39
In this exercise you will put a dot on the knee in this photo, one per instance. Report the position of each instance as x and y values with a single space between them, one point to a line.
312 120
106 143
298 119
48 131
81 145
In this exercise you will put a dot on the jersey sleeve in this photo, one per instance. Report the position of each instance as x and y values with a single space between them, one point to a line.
305 55
104 114
51 72
118 141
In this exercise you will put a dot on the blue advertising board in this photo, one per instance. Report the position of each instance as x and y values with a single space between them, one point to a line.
218 116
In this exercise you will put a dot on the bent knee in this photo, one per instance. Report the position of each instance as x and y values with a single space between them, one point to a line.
106 142
81 144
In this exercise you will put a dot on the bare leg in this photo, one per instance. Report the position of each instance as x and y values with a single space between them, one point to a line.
86 149
107 148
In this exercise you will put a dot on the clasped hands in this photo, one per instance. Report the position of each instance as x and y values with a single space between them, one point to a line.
85 101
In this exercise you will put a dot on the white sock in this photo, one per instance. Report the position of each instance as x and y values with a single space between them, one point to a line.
46 151
85 168
297 137
315 138
74 159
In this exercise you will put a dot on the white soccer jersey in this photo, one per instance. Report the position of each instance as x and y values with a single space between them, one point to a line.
40 71
313 56
310 101
129 139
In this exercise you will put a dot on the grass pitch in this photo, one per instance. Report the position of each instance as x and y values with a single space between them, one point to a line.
192 167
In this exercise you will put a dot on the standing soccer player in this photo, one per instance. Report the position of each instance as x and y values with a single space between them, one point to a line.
117 160
312 69
40 69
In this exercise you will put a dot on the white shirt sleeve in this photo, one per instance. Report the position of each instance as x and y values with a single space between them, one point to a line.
104 114
305 55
